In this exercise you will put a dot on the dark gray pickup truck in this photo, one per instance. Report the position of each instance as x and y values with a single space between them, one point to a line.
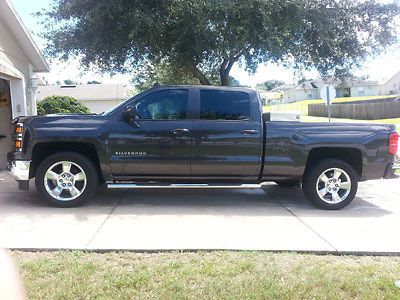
197 137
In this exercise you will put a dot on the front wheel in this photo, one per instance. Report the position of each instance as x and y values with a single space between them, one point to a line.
332 184
66 179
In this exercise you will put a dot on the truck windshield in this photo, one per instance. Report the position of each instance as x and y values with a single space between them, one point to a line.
112 109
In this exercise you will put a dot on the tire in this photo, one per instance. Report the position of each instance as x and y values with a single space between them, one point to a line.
287 184
66 179
333 191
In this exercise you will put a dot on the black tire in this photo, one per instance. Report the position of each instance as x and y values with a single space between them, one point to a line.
287 184
346 195
86 187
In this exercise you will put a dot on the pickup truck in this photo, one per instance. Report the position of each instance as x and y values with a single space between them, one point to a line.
197 137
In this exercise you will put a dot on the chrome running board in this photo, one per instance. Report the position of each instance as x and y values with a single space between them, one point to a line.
180 186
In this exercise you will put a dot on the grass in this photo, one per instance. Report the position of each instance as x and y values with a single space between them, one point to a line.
302 106
207 275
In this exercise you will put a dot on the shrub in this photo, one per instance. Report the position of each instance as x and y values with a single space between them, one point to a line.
61 105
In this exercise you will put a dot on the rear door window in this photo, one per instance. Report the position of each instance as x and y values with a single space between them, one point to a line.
224 105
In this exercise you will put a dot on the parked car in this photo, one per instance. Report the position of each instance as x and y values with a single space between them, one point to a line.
197 136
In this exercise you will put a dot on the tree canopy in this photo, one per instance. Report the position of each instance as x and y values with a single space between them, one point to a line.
269 84
202 40
69 82
61 105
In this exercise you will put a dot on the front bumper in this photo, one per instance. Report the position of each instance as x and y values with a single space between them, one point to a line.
20 169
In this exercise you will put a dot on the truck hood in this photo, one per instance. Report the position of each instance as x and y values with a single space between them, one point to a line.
58 119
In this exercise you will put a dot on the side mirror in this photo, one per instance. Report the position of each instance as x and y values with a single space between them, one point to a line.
130 116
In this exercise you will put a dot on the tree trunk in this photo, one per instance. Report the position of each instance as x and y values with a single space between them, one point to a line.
224 79
225 70
200 76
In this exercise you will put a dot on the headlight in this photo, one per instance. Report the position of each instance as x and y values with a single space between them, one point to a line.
18 131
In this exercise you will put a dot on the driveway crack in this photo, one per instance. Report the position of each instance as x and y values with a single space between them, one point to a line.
305 224
106 219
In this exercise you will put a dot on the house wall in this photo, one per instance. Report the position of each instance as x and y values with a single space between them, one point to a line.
98 106
392 86
300 94
16 72
15 67
369 90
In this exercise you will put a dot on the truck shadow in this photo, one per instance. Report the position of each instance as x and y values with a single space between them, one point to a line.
273 201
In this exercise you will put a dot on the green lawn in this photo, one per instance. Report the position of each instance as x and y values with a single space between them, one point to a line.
302 106
207 275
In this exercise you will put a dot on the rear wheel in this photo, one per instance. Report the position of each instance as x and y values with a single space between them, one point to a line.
332 184
66 179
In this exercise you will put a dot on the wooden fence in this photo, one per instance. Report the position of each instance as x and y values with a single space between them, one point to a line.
366 110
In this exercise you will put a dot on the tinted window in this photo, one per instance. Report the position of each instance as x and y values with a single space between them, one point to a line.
224 105
163 105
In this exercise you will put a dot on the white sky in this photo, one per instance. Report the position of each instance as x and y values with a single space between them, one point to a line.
379 68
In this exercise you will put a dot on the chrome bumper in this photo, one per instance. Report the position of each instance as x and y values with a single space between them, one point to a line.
20 169
396 163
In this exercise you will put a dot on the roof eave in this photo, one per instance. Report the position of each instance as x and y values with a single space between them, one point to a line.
23 37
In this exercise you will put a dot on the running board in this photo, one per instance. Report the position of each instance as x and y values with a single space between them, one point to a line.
180 186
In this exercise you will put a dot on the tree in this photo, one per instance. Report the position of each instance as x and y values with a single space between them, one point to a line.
207 38
163 73
167 74
269 84
94 82
69 82
233 81
61 105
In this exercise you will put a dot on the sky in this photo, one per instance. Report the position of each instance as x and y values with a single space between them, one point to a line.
378 68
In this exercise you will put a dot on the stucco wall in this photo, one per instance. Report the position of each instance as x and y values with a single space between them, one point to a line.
359 91
392 86
98 106
300 94
15 66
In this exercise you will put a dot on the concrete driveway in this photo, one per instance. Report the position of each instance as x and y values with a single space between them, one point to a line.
279 219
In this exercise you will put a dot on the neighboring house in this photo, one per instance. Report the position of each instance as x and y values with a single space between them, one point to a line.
303 91
270 97
97 97
310 89
364 88
391 86
20 59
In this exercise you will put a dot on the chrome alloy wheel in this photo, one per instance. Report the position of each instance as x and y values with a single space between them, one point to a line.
333 185
65 181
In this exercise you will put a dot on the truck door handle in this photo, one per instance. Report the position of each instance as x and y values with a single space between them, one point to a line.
249 131
180 131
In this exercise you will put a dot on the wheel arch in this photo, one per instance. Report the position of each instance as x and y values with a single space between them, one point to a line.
351 156
43 150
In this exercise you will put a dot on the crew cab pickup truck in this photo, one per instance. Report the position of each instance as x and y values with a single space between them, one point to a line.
197 137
